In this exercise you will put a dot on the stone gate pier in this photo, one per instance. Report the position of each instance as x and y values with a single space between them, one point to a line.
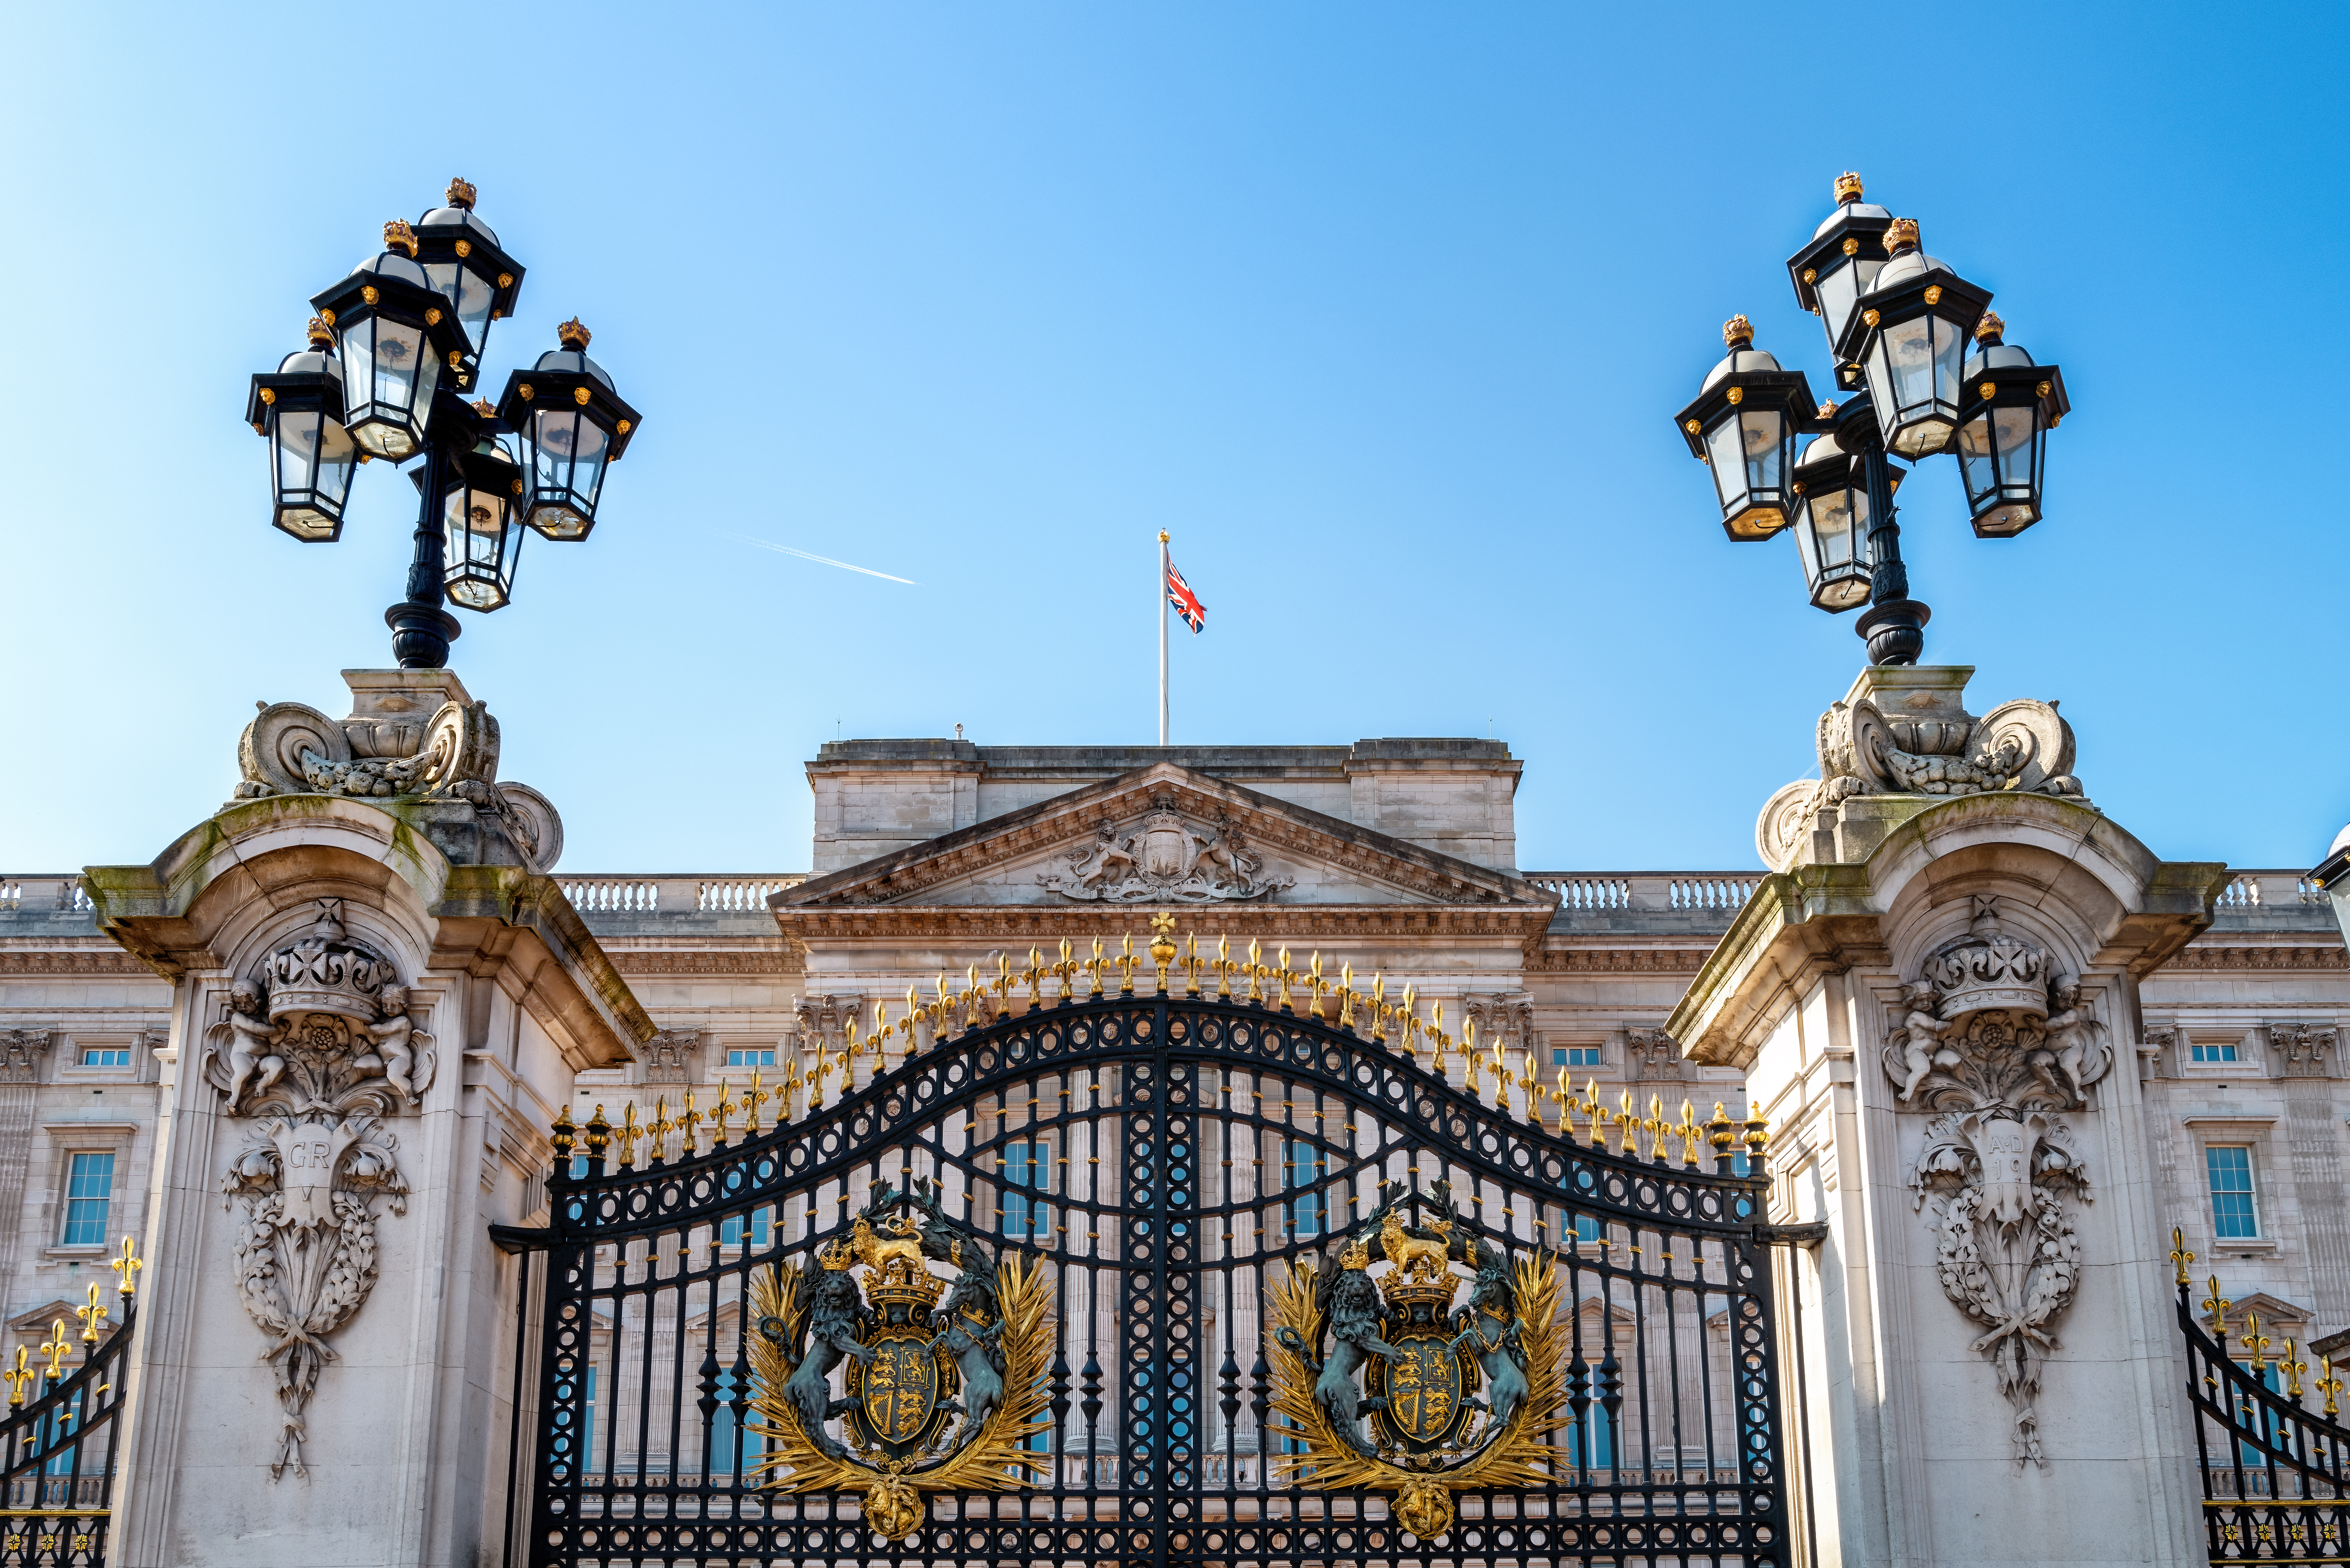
378 1004
1935 997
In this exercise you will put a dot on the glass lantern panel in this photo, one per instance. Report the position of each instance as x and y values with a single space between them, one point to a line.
1834 525
398 349
426 383
1950 359
588 476
1762 433
472 293
2013 428
1974 449
1906 352
1836 290
1726 454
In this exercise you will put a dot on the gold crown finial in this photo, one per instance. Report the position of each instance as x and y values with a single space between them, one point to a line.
573 335
321 336
1162 536
1900 235
398 235
1738 333
1987 330
1847 187
836 1257
460 193
1356 1256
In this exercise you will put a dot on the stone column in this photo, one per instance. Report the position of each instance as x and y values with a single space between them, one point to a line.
1935 999
380 1002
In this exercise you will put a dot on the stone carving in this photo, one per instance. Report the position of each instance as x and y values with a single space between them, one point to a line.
21 1051
671 1056
2000 1050
1165 860
1657 1053
315 1052
2023 746
1506 1020
291 748
2303 1044
821 1022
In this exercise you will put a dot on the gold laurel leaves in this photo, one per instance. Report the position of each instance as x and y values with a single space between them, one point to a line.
994 1459
1518 1456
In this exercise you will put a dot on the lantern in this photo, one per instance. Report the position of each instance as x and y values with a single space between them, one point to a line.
479 488
1743 424
1841 263
1833 519
572 424
2009 406
461 257
397 336
1910 339
298 409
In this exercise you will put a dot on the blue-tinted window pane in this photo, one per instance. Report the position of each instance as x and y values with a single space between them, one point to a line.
730 1231
88 1183
746 1058
1588 1230
2233 1216
2214 1053
1300 1173
722 1429
1027 1167
1575 1055
107 1056
588 1427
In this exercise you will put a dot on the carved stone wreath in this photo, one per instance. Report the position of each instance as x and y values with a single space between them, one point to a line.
1165 860
2001 1049
315 1052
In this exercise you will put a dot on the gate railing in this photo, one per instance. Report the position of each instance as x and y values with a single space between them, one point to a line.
59 1443
1171 1166
2276 1476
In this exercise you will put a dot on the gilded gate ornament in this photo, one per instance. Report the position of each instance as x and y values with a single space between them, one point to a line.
945 1378
1347 1344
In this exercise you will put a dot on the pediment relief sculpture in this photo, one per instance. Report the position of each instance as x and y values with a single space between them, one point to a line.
1164 858
2024 746
2000 1044
315 1053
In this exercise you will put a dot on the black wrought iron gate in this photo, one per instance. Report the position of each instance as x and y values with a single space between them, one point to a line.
1158 1172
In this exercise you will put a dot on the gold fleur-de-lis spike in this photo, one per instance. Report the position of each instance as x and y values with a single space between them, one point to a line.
1255 971
1126 962
1657 1129
2331 1386
1094 968
880 1032
2256 1342
1346 996
1283 975
625 1135
752 1098
2217 1305
57 1348
1314 984
661 1128
2179 1256
1223 965
92 1316
1378 1007
126 1268
1628 1121
688 1120
17 1376
2293 1367
719 1112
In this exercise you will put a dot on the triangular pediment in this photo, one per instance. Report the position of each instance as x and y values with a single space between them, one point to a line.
1166 837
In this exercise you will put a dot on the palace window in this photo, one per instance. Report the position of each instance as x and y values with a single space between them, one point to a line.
1588 1230
107 1056
587 1423
1575 1055
2201 1052
730 1231
722 1429
750 1058
2235 1216
1027 1169
1301 1173
90 1182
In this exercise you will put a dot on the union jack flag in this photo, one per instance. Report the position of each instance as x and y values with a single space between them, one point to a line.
1187 603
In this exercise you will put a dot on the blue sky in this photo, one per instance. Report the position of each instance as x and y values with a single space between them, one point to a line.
1382 310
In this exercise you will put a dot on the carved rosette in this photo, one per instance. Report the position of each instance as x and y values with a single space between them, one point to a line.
1165 858
315 1052
1998 1049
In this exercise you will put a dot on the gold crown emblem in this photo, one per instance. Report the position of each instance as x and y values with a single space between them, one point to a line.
836 1257
460 193
573 335
1738 333
321 335
398 235
899 1281
1357 1255
1899 234
1419 1284
1847 187
1988 329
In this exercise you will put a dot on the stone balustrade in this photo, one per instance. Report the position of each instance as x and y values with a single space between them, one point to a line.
666 893
60 893
1721 892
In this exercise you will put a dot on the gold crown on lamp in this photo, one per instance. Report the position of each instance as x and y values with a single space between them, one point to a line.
902 1282
1738 333
1987 330
460 193
573 335
1406 1288
321 335
1900 232
396 234
1847 186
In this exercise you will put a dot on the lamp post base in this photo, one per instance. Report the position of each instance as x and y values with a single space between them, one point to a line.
1895 631
421 634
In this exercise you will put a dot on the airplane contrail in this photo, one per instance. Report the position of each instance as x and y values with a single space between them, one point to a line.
822 560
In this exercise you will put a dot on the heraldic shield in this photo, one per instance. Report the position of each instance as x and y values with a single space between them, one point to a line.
1457 1396
945 1377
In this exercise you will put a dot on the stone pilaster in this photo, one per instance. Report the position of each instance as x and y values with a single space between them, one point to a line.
23 1052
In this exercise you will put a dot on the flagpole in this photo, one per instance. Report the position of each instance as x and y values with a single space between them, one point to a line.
1162 636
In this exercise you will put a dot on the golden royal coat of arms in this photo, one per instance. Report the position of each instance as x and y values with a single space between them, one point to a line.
1457 1396
945 1378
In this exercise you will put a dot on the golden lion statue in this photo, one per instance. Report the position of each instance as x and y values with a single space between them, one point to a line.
1408 1252
905 1243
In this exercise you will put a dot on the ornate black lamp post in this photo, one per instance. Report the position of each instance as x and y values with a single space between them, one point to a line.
1898 323
393 347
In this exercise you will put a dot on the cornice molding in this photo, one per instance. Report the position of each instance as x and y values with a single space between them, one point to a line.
2201 957
111 962
640 960
1618 960
1511 924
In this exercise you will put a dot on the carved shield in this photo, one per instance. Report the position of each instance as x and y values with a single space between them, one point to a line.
1425 1391
308 1154
898 1393
1166 850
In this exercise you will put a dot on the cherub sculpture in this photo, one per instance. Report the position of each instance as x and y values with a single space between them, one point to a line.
252 1037
392 1042
2078 1055
1925 1028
